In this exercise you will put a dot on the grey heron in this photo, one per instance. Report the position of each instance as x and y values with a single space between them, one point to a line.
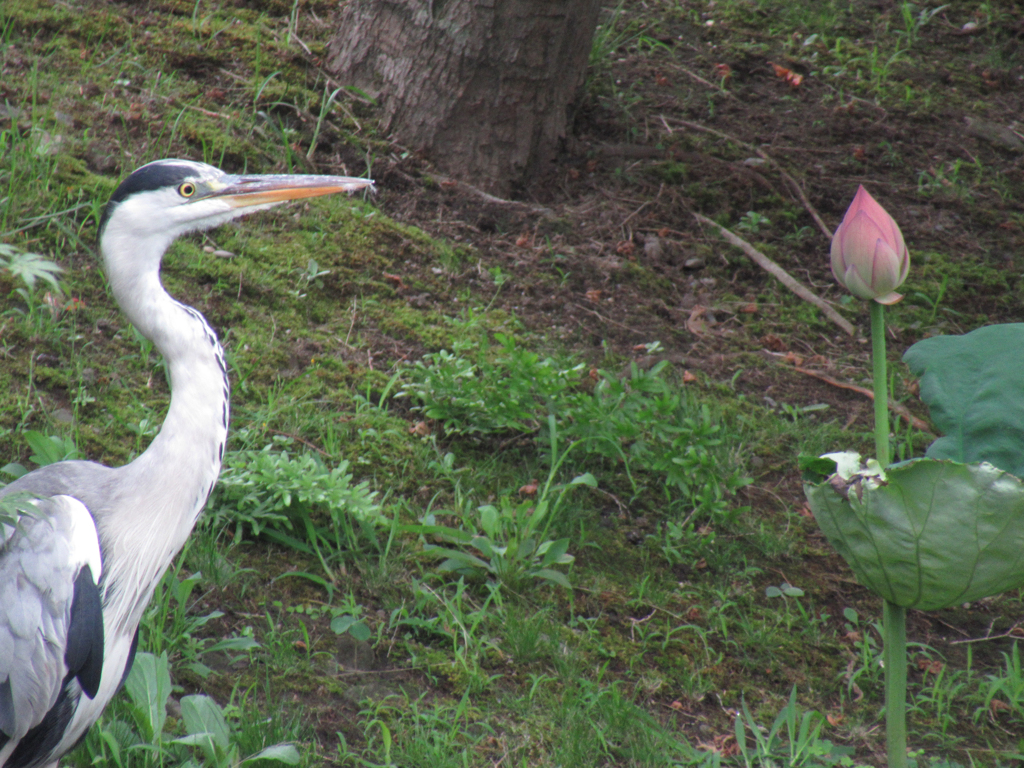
76 575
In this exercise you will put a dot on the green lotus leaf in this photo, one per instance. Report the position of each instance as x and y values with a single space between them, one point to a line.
933 534
974 387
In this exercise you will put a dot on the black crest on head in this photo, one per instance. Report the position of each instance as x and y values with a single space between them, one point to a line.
163 173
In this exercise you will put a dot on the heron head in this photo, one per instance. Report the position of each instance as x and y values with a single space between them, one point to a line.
167 198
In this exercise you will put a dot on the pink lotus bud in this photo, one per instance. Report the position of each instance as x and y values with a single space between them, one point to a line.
869 257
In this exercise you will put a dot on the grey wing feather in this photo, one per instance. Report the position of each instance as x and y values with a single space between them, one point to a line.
40 563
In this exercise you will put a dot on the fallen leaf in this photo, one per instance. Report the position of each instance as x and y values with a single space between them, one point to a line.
396 279
693 614
625 248
727 745
530 489
793 78
696 323
773 343
793 358
688 378
299 645
859 154
997 705
594 374
665 231
594 295
834 719
676 705
724 72
449 184
574 174
420 429
523 240
661 80
701 564
749 309
929 665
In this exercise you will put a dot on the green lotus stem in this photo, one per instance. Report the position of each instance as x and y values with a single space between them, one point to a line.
894 629
894 617
881 383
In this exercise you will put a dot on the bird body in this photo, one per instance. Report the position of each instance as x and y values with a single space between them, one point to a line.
76 576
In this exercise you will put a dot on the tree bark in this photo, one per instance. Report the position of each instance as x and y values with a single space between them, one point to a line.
482 88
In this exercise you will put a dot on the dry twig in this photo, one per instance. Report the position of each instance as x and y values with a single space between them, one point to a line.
489 198
768 159
780 274
898 408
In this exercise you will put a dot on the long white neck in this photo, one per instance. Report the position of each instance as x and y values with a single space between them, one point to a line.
164 490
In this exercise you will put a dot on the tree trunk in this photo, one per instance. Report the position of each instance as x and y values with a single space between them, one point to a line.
482 88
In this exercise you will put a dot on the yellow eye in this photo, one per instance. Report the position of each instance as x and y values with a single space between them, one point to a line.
187 189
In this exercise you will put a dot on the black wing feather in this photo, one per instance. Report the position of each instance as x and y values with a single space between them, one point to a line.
84 652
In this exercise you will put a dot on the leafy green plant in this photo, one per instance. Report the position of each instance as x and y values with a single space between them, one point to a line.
46 449
505 389
454 616
207 728
29 267
507 549
508 542
597 723
789 594
912 25
942 691
171 626
347 619
284 497
133 734
655 433
1007 686
867 666
793 740
418 733
308 278
639 422
932 304
638 426
14 506
752 222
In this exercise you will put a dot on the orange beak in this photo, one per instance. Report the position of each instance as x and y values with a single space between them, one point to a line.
246 191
